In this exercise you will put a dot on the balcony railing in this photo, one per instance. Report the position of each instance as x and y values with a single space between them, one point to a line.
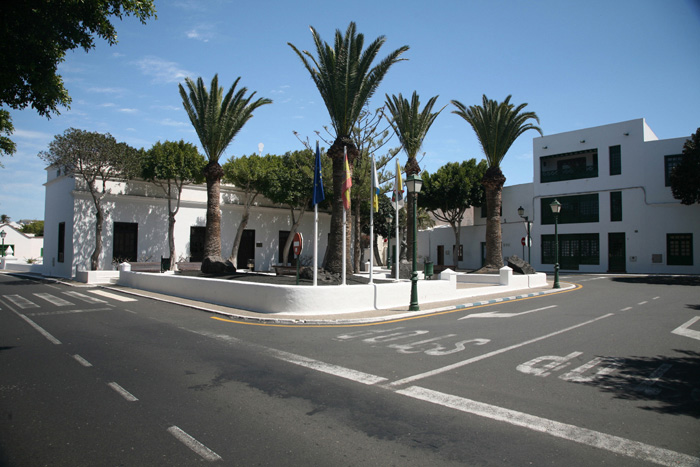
559 175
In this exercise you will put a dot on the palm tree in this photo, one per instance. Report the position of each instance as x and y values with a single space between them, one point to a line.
411 125
217 119
346 79
497 126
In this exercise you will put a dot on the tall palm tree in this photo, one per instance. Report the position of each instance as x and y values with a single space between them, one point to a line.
497 126
411 125
346 79
217 119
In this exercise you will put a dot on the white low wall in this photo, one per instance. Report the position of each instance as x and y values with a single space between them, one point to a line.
36 268
96 277
272 298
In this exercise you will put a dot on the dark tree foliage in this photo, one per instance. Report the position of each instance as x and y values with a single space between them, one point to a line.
685 178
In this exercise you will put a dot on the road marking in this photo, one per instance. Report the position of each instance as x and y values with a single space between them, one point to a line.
66 312
122 392
21 302
41 330
84 297
565 431
82 361
335 370
54 300
642 303
626 309
646 385
683 330
496 314
493 353
113 296
193 444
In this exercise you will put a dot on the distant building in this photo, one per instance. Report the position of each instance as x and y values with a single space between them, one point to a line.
618 213
24 247
136 226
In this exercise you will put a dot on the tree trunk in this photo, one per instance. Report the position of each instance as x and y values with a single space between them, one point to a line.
212 235
171 239
290 238
493 182
334 260
241 227
377 257
99 219
456 227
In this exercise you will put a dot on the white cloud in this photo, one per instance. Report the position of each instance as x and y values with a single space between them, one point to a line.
129 111
162 70
27 134
103 90
171 122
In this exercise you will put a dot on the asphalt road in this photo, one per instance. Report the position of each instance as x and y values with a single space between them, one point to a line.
607 374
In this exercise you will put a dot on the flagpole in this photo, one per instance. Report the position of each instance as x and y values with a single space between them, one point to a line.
315 245
345 230
398 242
371 224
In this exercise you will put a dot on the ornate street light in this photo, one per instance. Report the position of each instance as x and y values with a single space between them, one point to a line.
556 209
3 234
521 211
413 184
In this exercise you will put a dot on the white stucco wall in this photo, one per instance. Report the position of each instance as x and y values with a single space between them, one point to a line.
24 246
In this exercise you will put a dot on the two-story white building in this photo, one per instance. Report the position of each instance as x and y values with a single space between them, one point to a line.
618 213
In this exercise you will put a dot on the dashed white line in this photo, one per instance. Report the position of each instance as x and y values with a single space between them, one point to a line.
491 354
626 309
335 370
41 330
642 303
193 444
565 431
123 392
82 361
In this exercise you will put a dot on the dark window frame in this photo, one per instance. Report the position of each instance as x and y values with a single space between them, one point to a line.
577 209
615 154
615 206
679 249
61 242
574 249
671 162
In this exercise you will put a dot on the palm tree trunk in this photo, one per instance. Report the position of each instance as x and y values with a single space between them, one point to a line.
493 182
334 260
212 235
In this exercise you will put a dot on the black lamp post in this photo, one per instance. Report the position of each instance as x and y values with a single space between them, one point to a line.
3 234
521 211
556 209
388 251
413 185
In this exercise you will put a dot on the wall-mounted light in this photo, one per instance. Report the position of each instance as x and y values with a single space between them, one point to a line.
583 141
626 134
544 147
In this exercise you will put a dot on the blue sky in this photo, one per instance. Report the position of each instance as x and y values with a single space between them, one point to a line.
576 64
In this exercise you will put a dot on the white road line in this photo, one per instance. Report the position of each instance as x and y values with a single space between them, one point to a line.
193 444
122 392
66 312
626 309
84 297
497 314
21 302
565 431
491 354
54 300
646 385
113 296
335 370
82 361
683 330
642 303
41 330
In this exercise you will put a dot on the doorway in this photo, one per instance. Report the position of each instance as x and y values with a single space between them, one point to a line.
197 244
616 252
246 249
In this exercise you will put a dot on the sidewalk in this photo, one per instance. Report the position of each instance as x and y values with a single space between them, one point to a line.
364 317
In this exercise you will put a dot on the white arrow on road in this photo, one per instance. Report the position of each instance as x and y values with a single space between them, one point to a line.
496 314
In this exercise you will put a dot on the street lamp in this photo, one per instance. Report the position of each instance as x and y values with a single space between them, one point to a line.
556 209
3 234
413 185
388 249
521 211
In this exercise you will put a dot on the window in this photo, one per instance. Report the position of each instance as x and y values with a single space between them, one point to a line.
679 249
574 249
125 241
569 166
670 163
574 209
61 241
615 160
615 206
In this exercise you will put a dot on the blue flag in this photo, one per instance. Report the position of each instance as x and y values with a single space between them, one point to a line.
318 181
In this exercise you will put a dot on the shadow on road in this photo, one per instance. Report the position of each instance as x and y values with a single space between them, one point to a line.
660 280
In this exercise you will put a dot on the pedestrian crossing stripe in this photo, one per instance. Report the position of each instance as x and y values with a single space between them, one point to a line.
119 298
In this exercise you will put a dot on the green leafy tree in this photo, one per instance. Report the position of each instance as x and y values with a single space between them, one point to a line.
96 159
217 119
346 79
251 175
7 146
291 184
35 36
5 219
172 165
450 191
685 178
36 228
411 126
497 125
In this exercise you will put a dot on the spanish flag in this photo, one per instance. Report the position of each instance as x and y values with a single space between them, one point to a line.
347 183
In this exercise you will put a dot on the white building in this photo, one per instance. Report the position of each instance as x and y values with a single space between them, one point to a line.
20 246
136 226
618 213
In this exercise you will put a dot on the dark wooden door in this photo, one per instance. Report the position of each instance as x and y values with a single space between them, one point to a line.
197 244
616 252
246 249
